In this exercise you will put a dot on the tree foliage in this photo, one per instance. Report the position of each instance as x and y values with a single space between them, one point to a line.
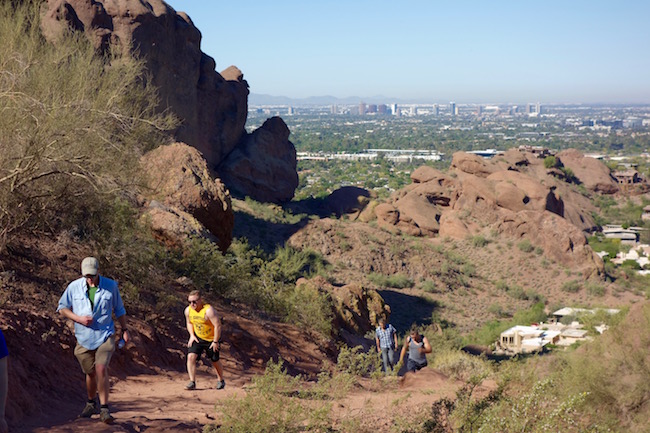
73 125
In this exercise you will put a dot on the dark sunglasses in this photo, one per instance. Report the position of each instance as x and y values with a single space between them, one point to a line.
193 302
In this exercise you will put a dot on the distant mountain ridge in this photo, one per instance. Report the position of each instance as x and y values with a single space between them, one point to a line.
262 99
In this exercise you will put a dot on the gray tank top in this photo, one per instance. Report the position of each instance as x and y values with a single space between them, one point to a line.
414 353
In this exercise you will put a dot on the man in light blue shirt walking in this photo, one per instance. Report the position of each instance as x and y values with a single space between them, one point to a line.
90 302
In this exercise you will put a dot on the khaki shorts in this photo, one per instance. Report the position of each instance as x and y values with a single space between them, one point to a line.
89 358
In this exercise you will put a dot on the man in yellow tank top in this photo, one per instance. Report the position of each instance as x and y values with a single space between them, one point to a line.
205 335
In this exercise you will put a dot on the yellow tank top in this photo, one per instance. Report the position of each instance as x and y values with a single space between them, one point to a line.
203 327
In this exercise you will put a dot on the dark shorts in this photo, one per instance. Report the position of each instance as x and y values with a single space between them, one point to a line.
411 365
203 345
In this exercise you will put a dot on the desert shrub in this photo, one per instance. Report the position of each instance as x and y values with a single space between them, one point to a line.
537 410
356 362
630 264
550 162
468 270
479 241
595 289
309 307
270 406
429 286
525 246
497 310
460 365
572 286
289 264
73 125
397 281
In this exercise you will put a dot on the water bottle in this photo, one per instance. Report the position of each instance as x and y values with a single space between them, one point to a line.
120 343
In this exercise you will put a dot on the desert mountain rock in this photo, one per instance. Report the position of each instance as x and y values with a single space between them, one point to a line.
212 106
184 196
513 194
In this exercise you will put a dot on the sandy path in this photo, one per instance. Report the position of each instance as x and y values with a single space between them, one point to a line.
155 403
151 403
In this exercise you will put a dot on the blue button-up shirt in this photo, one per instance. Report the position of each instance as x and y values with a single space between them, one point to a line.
107 302
385 336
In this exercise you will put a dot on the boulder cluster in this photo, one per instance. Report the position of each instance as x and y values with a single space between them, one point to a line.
514 195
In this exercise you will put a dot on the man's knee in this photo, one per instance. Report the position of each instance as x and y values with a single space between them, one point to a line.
101 370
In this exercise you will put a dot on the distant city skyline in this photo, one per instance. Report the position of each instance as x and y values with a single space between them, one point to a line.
466 51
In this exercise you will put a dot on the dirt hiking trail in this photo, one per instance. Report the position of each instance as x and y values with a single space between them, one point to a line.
159 403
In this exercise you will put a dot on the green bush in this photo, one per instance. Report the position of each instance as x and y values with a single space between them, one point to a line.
460 365
572 286
550 162
479 241
525 246
356 362
397 281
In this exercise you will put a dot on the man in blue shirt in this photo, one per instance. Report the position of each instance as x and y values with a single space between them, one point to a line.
386 339
90 302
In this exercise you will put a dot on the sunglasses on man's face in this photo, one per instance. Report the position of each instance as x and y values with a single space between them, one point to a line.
196 301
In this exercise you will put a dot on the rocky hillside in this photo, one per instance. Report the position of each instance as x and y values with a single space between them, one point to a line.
477 242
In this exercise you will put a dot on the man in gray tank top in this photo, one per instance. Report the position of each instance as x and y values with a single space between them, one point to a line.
417 346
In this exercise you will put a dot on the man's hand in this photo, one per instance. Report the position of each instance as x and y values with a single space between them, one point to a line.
85 320
214 345
192 339
126 335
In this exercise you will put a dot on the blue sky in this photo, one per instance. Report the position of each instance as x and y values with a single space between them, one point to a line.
549 51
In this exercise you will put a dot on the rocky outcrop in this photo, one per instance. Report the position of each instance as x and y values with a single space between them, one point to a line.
350 200
264 166
184 197
513 194
356 309
592 173
212 107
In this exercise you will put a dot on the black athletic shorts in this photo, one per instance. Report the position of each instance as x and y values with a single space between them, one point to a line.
204 345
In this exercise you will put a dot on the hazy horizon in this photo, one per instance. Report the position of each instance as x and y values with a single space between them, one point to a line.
467 52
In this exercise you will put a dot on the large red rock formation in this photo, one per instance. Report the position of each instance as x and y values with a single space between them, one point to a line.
512 194
212 106
264 166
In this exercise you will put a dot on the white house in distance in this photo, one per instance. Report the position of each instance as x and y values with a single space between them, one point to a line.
530 339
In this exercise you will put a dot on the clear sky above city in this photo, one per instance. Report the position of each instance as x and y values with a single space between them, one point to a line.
432 50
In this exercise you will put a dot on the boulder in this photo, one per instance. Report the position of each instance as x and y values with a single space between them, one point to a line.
592 173
264 166
348 200
180 179
472 164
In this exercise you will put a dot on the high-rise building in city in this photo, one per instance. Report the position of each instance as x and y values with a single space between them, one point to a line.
453 110
334 109
393 109
362 108
382 109
436 110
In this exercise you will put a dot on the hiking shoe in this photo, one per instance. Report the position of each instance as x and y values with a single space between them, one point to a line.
190 385
221 384
89 410
105 416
